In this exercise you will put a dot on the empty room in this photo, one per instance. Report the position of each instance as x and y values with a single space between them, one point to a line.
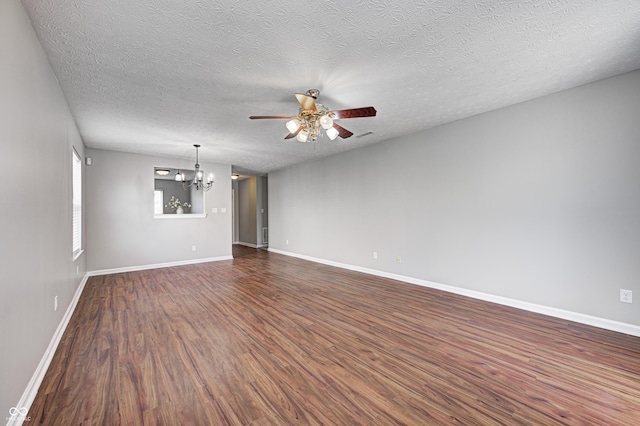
320 213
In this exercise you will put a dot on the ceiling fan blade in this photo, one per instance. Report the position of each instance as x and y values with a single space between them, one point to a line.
256 117
294 134
342 132
355 112
307 102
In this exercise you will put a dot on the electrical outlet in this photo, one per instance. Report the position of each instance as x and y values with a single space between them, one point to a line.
375 254
398 259
193 248
77 269
55 303
626 296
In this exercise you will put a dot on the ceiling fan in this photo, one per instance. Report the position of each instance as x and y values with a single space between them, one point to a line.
312 116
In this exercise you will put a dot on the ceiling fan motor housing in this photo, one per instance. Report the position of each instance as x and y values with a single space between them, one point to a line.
314 93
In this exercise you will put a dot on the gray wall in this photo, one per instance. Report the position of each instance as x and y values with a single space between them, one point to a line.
196 199
37 136
538 202
172 188
121 229
236 210
262 211
252 210
247 211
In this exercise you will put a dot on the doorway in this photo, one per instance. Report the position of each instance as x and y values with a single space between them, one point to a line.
250 200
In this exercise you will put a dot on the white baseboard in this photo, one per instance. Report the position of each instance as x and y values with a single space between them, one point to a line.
604 323
31 391
156 266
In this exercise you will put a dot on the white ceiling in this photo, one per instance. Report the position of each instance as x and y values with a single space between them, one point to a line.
157 76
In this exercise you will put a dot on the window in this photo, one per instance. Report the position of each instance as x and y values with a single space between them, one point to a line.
158 201
77 205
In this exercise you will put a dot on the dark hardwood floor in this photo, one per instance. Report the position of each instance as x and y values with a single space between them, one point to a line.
267 339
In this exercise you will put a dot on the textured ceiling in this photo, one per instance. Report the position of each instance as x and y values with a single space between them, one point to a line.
156 76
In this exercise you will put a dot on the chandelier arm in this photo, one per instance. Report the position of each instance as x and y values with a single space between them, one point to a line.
198 178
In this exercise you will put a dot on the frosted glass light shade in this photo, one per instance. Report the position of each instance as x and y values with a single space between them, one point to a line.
326 122
303 136
332 133
293 125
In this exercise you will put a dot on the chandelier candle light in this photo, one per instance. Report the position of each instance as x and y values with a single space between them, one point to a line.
198 181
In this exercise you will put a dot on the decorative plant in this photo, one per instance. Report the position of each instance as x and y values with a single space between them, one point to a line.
174 203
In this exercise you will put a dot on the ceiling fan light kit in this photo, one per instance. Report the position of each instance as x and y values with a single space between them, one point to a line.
312 117
332 133
303 136
326 121
293 125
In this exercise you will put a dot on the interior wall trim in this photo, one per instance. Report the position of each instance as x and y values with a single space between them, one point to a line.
604 323
30 392
156 265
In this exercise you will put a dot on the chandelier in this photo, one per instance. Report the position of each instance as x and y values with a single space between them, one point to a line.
198 181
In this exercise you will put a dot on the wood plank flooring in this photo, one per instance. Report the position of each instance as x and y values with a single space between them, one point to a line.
267 339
